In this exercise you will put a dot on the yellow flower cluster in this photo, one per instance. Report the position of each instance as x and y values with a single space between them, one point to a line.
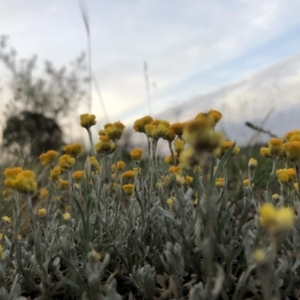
78 175
169 160
225 146
286 176
87 120
128 174
178 145
48 157
55 173
43 194
139 125
24 181
128 189
220 182
63 184
42 213
136 154
200 135
10 175
276 220
73 149
66 161
277 148
114 131
105 145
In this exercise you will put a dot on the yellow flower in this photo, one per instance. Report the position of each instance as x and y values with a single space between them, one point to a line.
25 182
48 157
121 165
63 184
1 236
2 254
225 146
286 176
114 131
252 164
128 174
220 182
175 169
170 202
73 149
66 216
215 115
292 133
275 197
284 218
6 219
265 152
139 125
128 189
105 145
267 215
66 161
87 120
292 150
136 154
10 175
259 255
180 179
177 128
94 163
43 193
137 170
276 220
178 145
41 213
78 175
55 173
189 179
169 160
275 146
246 182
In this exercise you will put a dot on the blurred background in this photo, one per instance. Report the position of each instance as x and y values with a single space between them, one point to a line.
121 60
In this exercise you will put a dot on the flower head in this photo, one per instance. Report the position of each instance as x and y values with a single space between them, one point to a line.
225 146
73 149
139 125
41 213
220 182
170 202
66 216
292 150
48 157
55 173
66 161
128 189
78 175
114 131
6 219
136 154
43 193
87 120
25 182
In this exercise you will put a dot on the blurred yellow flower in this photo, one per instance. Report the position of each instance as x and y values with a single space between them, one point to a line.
121 165
25 182
139 125
265 152
63 184
128 189
66 161
78 175
6 219
10 175
292 150
128 174
188 179
55 173
178 145
215 115
286 176
66 216
252 164
292 133
220 182
43 193
259 255
276 220
48 157
225 146
105 145
275 197
41 213
177 128
73 149
275 147
87 120
136 154
170 202
169 160
114 131
175 169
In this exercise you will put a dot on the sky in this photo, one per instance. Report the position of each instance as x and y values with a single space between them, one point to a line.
191 47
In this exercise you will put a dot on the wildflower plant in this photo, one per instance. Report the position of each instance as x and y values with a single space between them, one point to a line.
170 230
